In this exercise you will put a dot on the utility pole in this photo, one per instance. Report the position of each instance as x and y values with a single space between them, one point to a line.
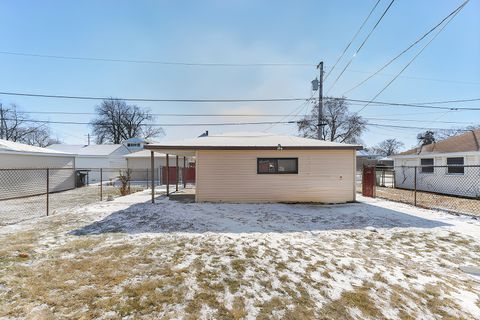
318 85
1 122
88 138
320 102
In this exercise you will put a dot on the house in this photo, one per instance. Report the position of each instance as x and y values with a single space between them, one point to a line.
90 158
450 166
139 165
262 167
365 158
33 163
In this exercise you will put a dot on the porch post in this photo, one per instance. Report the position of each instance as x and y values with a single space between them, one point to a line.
152 164
184 177
168 174
176 175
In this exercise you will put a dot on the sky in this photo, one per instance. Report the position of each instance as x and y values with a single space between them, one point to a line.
303 32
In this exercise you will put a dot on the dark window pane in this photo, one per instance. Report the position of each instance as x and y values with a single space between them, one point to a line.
267 166
455 165
287 165
277 165
427 165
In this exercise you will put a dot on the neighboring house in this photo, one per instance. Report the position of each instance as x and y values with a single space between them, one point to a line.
14 155
92 157
366 158
450 166
260 167
34 161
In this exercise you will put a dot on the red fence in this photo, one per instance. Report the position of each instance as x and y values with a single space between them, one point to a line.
172 177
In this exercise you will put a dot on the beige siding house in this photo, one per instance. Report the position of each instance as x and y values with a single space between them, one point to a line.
260 167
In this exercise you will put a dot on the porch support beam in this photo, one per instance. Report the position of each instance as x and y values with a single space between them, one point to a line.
168 174
152 165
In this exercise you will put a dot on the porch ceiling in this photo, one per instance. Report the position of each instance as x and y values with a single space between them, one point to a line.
175 152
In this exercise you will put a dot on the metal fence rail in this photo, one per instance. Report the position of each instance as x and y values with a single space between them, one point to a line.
30 193
454 188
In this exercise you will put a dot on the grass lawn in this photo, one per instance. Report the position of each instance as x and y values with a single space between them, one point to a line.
128 258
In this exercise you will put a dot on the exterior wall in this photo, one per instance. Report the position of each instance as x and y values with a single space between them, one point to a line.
326 176
440 181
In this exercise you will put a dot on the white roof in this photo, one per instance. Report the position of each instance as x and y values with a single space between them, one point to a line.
87 150
7 146
144 154
247 140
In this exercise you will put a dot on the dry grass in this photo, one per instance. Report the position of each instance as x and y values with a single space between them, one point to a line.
431 200
331 275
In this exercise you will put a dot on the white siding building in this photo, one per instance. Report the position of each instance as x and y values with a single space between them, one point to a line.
23 169
109 157
450 166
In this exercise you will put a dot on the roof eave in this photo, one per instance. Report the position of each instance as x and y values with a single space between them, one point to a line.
182 147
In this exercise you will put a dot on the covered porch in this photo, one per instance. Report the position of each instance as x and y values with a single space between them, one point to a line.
178 174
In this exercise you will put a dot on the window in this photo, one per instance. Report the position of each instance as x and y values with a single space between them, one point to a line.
427 165
130 144
455 165
277 165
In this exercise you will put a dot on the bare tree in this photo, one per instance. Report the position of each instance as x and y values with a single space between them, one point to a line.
340 124
388 147
116 121
14 126
447 133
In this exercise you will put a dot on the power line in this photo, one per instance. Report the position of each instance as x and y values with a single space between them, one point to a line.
152 100
419 78
162 124
173 63
379 103
216 65
361 46
164 114
426 105
353 39
416 120
407 49
234 124
414 57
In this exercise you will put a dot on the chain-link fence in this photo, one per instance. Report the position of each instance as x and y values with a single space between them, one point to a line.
454 188
29 193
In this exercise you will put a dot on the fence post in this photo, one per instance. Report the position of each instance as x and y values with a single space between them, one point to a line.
48 190
415 187
101 184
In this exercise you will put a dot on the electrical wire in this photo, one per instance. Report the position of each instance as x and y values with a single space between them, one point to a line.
353 39
361 46
406 50
174 63
151 100
414 57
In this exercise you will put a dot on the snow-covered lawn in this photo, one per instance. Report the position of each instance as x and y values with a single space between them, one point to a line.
129 258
